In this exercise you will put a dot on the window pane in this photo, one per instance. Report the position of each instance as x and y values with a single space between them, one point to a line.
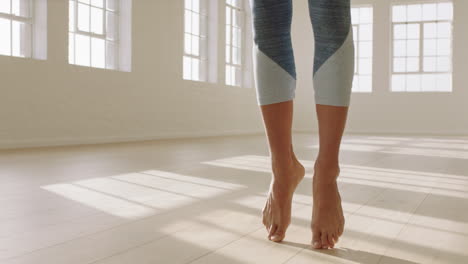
399 13
443 64
112 5
413 31
5 6
399 64
444 11
195 69
5 36
236 37
365 32
21 42
20 7
430 47
97 23
399 31
83 17
195 24
414 13
195 46
228 54
398 83
196 5
187 68
228 35
228 75
71 16
430 64
98 3
188 21
365 84
429 12
430 30
412 48
228 15
444 30
355 15
188 4
188 44
365 15
98 53
82 50
443 47
428 82
444 82
413 82
365 49
399 48
412 64
236 56
365 66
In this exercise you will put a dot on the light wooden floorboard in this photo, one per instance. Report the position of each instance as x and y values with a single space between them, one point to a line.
200 200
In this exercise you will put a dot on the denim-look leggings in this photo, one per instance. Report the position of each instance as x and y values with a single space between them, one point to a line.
274 68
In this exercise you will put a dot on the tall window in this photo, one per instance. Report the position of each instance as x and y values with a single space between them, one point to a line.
362 20
99 33
422 47
234 42
23 28
195 40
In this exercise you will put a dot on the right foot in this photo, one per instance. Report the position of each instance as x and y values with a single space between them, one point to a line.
277 209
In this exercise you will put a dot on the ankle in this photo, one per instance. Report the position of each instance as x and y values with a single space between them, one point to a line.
326 173
326 164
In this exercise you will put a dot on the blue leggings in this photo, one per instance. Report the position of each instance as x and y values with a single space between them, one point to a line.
274 68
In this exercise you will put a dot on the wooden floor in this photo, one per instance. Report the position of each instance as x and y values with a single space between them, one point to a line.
199 201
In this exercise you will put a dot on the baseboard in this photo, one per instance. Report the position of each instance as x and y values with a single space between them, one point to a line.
35 143
440 133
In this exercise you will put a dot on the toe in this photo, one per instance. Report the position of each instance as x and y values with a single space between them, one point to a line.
316 242
324 239
273 229
336 237
279 234
331 240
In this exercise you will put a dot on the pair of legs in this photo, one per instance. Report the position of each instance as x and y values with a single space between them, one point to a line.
275 78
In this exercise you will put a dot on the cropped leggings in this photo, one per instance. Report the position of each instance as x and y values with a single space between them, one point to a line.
273 58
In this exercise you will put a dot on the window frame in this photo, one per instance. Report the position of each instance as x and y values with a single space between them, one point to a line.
356 40
203 41
242 66
421 39
103 36
27 20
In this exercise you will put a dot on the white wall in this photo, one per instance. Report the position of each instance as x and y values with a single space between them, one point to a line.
53 103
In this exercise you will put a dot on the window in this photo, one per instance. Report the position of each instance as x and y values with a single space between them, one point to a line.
362 20
23 28
99 33
422 47
234 42
195 59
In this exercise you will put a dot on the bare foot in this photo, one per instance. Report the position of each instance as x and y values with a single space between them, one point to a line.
277 210
327 215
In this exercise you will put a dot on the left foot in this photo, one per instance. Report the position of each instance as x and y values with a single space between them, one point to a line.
327 214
